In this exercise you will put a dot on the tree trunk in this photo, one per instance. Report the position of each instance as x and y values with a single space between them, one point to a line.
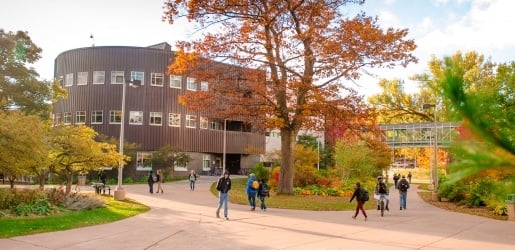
11 182
286 175
42 181
69 183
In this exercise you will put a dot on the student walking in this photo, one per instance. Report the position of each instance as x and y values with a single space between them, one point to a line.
192 177
403 192
262 193
252 190
223 186
359 194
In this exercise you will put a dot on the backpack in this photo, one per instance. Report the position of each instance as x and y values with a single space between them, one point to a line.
363 195
403 185
264 190
154 177
254 185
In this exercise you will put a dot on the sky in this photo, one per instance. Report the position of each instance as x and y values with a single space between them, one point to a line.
439 28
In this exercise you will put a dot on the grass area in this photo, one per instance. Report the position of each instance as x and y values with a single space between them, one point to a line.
300 202
114 211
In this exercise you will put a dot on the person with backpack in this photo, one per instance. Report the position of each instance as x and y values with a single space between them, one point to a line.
193 178
381 189
360 195
150 180
223 186
252 190
403 192
396 178
262 193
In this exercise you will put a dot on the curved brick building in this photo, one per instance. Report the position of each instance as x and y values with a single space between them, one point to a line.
94 79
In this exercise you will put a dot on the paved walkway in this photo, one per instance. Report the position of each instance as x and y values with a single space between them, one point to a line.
184 219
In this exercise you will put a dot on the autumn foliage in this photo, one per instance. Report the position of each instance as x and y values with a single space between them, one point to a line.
283 64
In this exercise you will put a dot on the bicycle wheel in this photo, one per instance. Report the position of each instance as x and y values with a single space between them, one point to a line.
382 208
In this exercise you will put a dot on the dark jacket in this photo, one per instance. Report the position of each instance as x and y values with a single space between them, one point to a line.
357 194
224 184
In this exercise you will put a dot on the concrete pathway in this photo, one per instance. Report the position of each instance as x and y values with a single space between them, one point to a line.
184 219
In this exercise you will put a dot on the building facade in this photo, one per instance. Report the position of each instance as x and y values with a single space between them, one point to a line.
94 78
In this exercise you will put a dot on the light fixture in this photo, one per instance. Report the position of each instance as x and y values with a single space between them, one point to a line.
119 193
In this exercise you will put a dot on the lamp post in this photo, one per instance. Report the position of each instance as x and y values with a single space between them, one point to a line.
119 193
318 154
435 142
224 147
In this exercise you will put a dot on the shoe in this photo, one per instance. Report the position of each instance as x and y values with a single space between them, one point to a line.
401 208
354 217
217 215
252 209
378 207
387 209
227 218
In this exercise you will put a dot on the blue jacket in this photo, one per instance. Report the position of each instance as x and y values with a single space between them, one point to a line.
250 190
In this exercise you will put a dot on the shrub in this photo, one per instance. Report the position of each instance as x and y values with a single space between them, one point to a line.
6 198
81 201
260 171
481 192
452 191
128 180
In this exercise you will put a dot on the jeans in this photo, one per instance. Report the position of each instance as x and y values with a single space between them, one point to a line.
222 199
252 200
402 199
263 205
192 184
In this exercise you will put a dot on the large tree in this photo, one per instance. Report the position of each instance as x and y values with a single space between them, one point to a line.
74 149
308 50
22 140
19 84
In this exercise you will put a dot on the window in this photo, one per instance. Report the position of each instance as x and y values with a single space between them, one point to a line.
117 77
67 118
69 80
136 117
99 77
82 78
191 121
138 75
157 79
58 119
143 161
203 122
204 86
97 117
115 116
175 81
174 120
61 81
80 117
191 84
156 118
205 162
215 125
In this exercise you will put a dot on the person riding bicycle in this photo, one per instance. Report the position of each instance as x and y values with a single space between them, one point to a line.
381 189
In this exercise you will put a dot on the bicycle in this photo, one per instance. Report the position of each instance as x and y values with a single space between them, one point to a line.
382 198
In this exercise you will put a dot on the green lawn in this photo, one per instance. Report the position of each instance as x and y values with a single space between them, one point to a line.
115 210
311 202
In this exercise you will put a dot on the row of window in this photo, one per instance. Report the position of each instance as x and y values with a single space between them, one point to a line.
136 118
118 77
